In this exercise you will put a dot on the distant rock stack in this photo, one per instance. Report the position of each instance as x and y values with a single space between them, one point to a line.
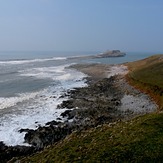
111 53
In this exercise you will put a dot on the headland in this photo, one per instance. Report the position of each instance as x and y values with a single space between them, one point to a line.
110 116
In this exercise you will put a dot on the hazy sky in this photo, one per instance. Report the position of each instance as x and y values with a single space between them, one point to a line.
81 25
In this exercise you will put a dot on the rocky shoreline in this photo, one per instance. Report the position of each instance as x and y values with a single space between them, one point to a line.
106 99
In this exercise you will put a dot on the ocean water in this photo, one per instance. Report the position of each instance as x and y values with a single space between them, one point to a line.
32 85
131 56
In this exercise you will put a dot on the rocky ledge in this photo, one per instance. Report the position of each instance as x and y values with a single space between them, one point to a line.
8 152
87 107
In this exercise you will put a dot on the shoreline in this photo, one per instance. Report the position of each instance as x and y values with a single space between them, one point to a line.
97 72
106 99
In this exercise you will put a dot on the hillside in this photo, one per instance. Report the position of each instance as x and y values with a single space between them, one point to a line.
147 75
139 140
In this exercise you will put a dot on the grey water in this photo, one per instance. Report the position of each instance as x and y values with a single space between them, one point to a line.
13 63
130 57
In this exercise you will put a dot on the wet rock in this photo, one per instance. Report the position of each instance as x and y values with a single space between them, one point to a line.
53 123
45 136
70 114
2 146
52 97
66 104
66 113
8 152
90 106
24 130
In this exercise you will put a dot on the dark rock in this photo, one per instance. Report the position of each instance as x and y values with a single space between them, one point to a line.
66 113
52 96
66 104
2 146
69 114
92 105
24 130
45 136
8 152
53 123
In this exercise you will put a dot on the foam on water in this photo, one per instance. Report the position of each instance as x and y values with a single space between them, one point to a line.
31 61
33 109
56 73
12 101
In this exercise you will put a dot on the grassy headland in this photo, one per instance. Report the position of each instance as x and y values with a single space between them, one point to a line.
136 140
147 75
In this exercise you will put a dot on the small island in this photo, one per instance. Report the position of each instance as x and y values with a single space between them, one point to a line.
106 54
111 53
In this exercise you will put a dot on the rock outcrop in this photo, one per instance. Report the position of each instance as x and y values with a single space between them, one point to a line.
88 107
112 53
8 152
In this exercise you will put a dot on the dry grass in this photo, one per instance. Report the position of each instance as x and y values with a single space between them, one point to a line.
147 75
138 140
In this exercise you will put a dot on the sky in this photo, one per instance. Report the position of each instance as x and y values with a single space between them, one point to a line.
81 25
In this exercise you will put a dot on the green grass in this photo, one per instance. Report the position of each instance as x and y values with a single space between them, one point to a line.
147 75
138 140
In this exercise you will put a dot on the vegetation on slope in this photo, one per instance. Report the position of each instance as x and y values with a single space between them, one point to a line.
138 140
147 75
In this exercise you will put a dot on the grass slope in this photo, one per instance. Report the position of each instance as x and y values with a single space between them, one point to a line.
147 75
138 140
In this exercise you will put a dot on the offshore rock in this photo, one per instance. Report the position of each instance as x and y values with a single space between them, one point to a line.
112 53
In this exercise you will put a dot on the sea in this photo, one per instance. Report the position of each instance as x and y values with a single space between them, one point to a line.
32 84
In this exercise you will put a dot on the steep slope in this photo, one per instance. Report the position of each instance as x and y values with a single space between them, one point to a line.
147 75
139 140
